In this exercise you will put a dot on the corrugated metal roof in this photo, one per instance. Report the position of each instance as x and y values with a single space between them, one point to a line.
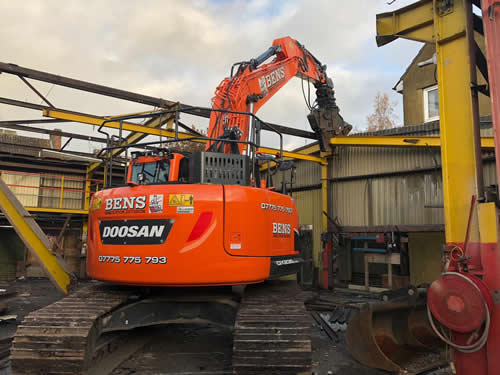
428 128
362 160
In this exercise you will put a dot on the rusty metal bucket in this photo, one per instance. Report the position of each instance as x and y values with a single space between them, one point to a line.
394 336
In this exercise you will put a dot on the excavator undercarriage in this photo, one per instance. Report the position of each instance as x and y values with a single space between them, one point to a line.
78 334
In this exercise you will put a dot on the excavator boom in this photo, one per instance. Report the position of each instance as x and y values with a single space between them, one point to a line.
252 83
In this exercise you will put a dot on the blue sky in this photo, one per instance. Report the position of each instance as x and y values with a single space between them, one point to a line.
181 50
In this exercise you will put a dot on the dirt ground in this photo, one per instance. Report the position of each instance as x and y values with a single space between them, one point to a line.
181 349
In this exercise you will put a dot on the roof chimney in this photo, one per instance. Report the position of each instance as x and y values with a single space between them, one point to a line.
55 140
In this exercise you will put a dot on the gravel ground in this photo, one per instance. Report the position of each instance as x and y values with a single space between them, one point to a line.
181 349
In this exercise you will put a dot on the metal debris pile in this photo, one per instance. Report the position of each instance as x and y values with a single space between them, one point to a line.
5 342
332 311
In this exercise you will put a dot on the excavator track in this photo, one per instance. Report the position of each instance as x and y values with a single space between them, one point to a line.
272 333
63 338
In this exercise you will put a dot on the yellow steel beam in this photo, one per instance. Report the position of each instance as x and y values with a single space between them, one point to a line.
302 154
34 238
128 126
308 150
458 152
141 113
61 193
86 197
386 141
58 210
292 155
389 141
450 32
415 22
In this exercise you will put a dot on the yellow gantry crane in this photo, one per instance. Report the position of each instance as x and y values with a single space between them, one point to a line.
465 299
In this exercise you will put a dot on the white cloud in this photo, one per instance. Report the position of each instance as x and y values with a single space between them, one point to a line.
181 50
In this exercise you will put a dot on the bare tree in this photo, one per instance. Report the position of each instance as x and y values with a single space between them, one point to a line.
189 146
383 116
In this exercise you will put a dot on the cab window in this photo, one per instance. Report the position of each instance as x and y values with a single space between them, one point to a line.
153 172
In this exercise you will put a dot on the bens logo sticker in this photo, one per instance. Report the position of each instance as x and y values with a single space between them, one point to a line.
271 79
155 203
281 230
125 204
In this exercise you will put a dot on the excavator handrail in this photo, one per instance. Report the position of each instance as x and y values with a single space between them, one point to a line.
188 110
255 125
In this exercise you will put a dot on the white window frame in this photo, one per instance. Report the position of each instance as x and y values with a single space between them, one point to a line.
426 104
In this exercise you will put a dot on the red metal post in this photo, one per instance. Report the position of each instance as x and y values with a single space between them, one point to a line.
491 21
327 259
490 253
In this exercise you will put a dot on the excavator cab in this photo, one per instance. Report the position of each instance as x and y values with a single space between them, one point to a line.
157 167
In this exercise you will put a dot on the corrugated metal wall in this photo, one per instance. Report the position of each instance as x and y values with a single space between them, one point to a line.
378 186
308 201
399 200
393 186
309 208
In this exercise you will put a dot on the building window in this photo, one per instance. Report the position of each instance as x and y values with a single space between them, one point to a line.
431 104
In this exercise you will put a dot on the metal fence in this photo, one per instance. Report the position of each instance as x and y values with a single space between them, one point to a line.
40 190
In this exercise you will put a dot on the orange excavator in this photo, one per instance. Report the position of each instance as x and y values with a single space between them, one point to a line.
196 219
184 210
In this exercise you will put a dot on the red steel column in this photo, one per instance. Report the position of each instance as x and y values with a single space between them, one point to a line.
490 255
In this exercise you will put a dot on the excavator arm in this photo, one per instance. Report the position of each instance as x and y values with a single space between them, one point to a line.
252 83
